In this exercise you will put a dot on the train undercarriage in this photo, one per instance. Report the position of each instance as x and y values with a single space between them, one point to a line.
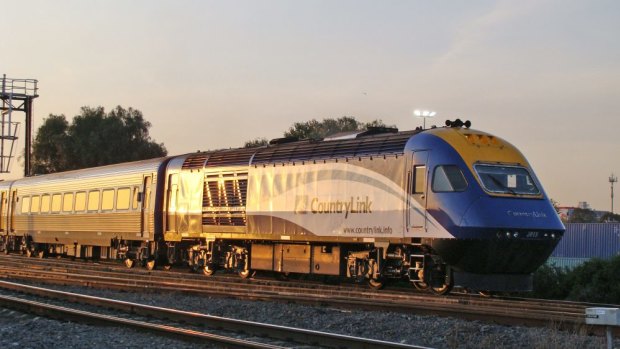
368 263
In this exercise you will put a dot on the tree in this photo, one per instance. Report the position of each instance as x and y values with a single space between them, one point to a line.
314 129
258 142
583 215
94 138
49 148
609 217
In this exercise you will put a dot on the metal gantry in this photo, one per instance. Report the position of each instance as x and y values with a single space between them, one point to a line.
17 96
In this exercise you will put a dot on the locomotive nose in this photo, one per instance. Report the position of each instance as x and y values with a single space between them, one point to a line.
503 235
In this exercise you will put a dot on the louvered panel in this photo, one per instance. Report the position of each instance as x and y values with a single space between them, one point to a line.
230 157
195 161
224 199
364 146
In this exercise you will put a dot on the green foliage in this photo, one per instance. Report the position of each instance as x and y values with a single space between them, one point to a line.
314 129
608 217
258 142
596 281
550 282
581 215
94 138
49 145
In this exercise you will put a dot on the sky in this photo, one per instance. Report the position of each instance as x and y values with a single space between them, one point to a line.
544 74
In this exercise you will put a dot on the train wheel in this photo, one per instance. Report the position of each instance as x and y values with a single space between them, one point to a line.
150 264
246 273
41 254
208 270
376 284
486 294
445 289
167 266
129 263
420 286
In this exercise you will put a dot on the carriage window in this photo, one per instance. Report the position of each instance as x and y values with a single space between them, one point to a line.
35 204
80 201
56 199
25 204
67 203
45 204
122 199
93 200
107 199
448 178
419 179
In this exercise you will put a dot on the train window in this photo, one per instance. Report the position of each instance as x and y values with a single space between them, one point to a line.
513 180
107 199
448 178
122 199
93 200
419 179
26 204
80 201
56 200
67 202
45 204
35 204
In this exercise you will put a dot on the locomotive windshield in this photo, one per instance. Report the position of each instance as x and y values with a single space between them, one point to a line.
506 180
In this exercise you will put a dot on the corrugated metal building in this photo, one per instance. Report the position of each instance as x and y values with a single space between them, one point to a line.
583 241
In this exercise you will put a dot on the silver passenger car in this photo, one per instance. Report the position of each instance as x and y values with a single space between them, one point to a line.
98 208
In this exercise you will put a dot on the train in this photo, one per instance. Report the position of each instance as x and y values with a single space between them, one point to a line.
440 207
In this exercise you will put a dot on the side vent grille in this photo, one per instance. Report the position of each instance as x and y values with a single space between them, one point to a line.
224 199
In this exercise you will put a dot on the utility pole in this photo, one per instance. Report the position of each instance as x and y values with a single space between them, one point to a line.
612 179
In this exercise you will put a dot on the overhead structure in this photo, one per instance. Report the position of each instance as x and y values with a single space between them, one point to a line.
17 96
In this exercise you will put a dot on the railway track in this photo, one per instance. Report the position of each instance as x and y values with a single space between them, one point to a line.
284 336
499 310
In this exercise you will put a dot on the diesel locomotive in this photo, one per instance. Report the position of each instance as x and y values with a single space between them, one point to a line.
440 207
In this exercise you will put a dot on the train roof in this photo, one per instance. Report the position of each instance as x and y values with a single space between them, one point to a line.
364 144
142 166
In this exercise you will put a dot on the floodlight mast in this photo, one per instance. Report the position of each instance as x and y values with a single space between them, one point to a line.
424 114
612 179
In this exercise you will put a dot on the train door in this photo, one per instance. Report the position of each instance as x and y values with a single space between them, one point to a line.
145 222
418 192
3 213
171 200
12 209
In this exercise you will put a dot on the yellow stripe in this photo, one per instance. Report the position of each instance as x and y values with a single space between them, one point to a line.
480 147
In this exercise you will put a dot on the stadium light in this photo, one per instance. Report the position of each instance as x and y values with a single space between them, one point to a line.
424 114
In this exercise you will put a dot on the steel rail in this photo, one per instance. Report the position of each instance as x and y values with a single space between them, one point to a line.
512 312
255 328
63 313
508 311
258 285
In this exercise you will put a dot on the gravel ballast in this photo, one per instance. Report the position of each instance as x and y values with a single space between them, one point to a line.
19 330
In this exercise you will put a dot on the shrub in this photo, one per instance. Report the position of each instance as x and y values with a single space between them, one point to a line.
596 281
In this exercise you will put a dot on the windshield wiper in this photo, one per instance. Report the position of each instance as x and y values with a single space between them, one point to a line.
502 185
